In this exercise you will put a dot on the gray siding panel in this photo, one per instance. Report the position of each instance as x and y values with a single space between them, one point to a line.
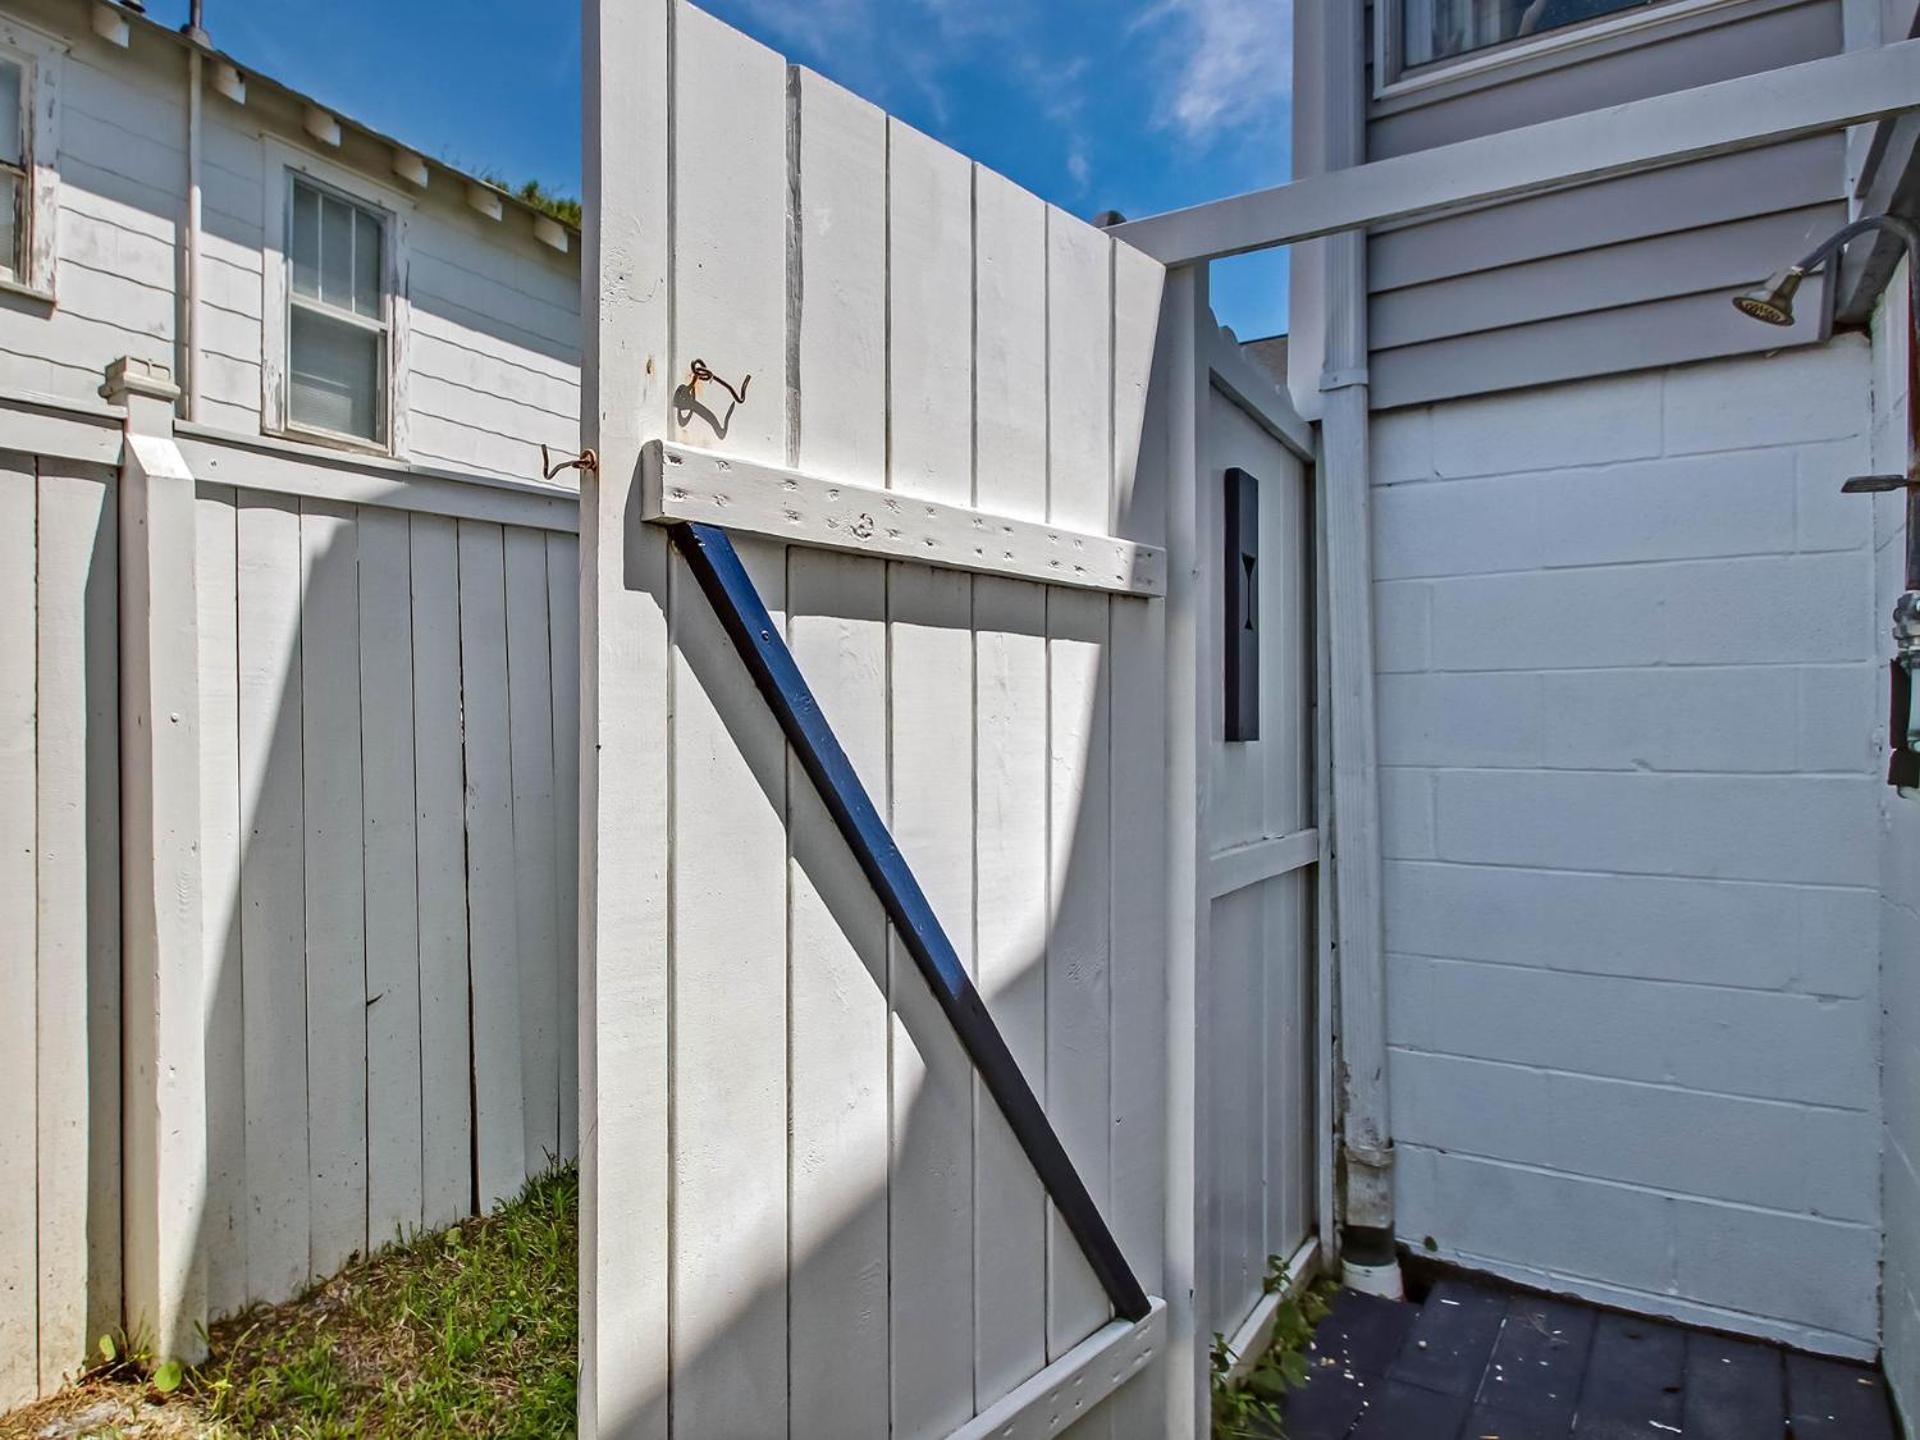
1625 275
1605 342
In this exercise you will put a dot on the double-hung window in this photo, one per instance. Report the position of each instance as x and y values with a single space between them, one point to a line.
16 169
339 316
1434 30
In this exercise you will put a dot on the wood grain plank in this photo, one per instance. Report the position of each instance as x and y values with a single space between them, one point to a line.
1079 996
335 883
19 1224
836 625
440 840
273 895
530 728
500 1157
222 825
76 729
395 1133
729 946
1010 718
563 620
930 268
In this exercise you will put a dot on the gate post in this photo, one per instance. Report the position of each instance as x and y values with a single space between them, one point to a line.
165 1133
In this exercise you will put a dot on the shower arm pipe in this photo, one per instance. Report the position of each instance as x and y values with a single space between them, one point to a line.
1904 231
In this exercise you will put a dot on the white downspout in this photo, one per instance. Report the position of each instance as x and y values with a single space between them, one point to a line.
1333 41
190 345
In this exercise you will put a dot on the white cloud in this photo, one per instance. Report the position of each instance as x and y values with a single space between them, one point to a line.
1231 62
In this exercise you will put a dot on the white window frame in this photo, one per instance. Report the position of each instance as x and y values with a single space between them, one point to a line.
40 60
1392 80
285 163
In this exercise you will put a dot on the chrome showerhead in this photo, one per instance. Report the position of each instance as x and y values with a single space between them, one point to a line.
1772 303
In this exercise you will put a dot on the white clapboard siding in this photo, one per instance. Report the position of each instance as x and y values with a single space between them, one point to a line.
930 265
836 625
729 770
19 1242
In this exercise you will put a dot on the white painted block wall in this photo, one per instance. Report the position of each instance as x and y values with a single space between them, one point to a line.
1629 718
1899 836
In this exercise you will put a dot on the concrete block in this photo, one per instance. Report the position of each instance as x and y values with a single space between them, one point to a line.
1818 941
1692 508
1810 610
1569 619
1593 422
1810 830
1457 527
1816 392
1827 518
1667 718
1841 718
1402 445
1742 1042
1402 626
1788 1267
1406 814
1486 719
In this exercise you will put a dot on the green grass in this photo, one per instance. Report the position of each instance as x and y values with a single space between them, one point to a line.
472 1331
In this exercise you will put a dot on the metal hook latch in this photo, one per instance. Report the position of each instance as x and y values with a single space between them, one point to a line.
550 468
701 374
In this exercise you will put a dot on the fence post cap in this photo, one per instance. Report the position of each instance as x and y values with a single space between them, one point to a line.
146 389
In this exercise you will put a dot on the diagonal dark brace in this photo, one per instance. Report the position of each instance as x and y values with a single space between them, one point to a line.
727 586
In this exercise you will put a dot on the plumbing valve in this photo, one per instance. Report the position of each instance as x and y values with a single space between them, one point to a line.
1903 728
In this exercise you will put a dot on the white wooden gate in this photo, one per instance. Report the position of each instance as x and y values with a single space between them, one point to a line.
803 1212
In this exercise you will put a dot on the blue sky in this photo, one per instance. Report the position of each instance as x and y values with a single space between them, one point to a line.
1135 105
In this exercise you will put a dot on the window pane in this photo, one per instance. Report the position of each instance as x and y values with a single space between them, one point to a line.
12 127
336 378
305 243
1437 29
336 252
10 264
366 265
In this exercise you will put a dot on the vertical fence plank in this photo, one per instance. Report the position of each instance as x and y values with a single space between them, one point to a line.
493 933
729 764
1080 437
1010 716
440 843
272 889
563 624
104 1011
1138 664
530 701
76 618
335 864
18 909
836 626
220 850
930 268
394 1131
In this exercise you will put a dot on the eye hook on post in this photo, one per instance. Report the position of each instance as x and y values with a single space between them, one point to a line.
550 469
701 374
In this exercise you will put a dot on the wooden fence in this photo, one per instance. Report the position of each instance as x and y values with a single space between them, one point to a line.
388 687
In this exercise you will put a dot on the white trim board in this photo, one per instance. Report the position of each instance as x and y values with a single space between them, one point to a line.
1255 863
1255 1334
680 484
1069 1388
1743 114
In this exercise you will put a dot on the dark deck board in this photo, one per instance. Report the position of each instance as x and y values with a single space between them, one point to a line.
1735 1389
1448 1347
1475 1362
1635 1378
1540 1360
1395 1410
1830 1399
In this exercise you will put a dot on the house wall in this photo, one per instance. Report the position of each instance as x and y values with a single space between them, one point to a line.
493 315
1599 279
1899 854
1629 727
